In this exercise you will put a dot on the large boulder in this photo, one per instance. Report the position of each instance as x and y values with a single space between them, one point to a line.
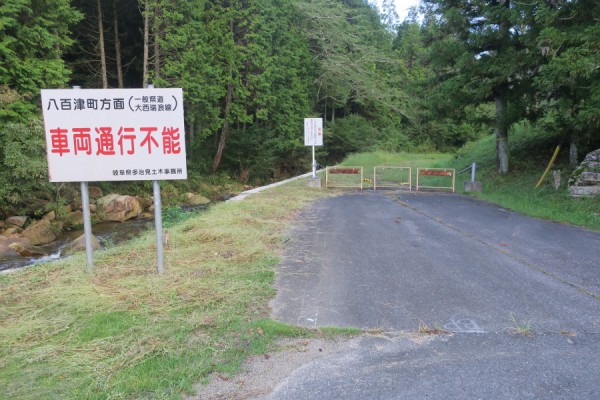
16 221
5 245
79 245
13 231
27 250
145 202
14 246
49 216
196 199
95 192
41 232
585 180
74 218
116 207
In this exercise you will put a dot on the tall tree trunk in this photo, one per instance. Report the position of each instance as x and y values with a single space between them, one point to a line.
117 45
101 46
156 44
146 43
501 135
190 135
333 113
573 154
502 150
225 129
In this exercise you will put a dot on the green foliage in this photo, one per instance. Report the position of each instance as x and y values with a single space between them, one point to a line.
33 38
23 164
173 215
569 83
348 135
481 52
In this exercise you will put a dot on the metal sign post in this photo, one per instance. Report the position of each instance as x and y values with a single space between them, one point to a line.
160 254
87 226
314 164
87 222
160 268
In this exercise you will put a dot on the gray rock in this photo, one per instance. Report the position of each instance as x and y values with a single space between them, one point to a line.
5 245
49 216
116 207
12 231
590 178
19 221
593 156
79 245
584 191
585 181
41 232
95 192
73 219
27 250
15 246
196 199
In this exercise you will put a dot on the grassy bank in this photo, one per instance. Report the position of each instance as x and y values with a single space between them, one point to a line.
126 332
531 151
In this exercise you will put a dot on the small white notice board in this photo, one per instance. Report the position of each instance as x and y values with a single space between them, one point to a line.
114 134
313 131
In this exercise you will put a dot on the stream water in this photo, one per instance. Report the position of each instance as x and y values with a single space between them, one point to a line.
106 232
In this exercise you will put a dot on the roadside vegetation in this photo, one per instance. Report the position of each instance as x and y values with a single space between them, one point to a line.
531 152
126 332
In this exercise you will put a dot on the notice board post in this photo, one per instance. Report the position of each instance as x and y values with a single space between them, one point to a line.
313 136
87 221
95 135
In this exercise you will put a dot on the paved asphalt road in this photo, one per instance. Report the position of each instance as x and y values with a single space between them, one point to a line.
517 298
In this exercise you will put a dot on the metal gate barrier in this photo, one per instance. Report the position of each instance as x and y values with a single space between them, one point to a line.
344 177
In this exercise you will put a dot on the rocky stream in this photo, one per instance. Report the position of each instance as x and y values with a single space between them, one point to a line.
25 241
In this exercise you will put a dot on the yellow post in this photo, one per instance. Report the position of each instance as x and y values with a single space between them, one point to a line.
549 166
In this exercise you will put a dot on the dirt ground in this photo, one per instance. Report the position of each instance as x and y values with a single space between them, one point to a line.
262 374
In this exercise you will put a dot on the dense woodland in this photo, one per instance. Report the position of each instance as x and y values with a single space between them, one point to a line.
454 71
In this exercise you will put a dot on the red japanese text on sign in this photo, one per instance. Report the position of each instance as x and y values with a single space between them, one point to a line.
128 139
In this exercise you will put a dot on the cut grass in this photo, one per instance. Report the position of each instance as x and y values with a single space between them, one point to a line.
126 332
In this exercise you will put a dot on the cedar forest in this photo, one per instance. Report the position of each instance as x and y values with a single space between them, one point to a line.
452 72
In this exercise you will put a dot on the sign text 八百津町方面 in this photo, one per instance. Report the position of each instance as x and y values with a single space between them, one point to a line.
114 134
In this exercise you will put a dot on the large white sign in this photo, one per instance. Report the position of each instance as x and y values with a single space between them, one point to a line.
313 131
114 134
